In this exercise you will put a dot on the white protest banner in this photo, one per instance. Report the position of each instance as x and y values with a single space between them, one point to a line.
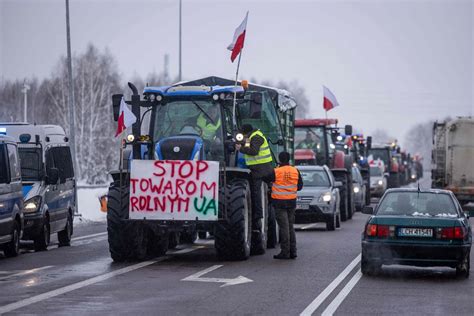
174 190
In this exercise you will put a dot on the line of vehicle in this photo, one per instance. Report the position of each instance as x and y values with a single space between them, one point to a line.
26 272
314 305
334 305
75 286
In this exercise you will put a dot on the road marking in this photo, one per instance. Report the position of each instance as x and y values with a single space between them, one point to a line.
69 288
342 295
25 272
330 288
314 225
88 236
196 277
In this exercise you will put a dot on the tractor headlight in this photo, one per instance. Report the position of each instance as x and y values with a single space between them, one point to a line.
32 205
325 197
159 97
130 138
151 97
356 189
239 137
380 182
215 97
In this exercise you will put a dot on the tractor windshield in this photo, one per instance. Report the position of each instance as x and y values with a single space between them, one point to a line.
380 153
193 118
312 138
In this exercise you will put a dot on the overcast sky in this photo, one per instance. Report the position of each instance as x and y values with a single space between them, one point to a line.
391 64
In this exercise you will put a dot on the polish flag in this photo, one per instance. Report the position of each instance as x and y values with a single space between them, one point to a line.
330 101
239 38
126 118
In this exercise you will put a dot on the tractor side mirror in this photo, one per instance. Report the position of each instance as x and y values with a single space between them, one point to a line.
116 99
348 129
369 142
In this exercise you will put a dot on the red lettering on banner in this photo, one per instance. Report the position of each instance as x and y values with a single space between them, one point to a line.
148 200
191 188
162 171
142 202
181 204
133 182
201 167
134 203
179 183
144 184
190 171
205 186
160 205
168 187
156 188
173 163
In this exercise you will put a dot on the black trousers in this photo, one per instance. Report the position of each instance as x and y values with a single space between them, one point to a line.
286 219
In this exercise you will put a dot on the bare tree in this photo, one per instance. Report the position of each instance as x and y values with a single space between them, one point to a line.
96 79
381 136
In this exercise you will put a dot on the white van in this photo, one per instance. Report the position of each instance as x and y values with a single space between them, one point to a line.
49 185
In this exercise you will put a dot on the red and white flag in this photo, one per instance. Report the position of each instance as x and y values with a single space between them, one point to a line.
330 101
239 38
126 118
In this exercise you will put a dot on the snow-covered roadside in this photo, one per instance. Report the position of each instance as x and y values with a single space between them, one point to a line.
89 206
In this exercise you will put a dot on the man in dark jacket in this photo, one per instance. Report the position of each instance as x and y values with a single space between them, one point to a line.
258 159
286 182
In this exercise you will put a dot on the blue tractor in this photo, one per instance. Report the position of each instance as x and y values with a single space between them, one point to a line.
199 121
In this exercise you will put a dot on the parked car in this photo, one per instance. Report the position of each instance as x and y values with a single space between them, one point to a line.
319 199
11 197
49 185
378 181
359 188
421 228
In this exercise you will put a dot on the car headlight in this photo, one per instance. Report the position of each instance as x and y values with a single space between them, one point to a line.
325 197
380 182
356 189
32 205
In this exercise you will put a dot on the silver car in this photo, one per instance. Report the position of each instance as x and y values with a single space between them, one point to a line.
319 199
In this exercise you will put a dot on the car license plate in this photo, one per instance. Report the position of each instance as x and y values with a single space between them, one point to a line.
302 206
415 232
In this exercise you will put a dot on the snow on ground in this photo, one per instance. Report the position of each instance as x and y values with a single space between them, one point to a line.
89 206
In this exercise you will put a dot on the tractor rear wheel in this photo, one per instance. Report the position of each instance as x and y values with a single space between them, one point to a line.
233 235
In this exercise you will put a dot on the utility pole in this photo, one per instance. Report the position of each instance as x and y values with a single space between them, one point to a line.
72 118
180 39
25 89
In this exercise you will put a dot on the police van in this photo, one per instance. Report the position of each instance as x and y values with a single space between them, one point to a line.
49 185
11 197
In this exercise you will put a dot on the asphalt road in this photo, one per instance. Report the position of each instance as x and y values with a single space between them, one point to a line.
324 279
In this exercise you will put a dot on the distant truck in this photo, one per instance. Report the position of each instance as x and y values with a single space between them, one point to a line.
453 157
49 184
388 154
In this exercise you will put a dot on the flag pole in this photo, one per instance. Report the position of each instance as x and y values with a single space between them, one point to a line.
234 120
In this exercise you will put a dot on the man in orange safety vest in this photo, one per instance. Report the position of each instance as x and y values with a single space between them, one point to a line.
287 181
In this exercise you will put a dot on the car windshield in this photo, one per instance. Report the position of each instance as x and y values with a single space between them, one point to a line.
312 138
192 118
424 204
315 178
31 163
375 172
380 153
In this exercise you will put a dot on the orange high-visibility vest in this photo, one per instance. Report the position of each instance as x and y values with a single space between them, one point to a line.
286 183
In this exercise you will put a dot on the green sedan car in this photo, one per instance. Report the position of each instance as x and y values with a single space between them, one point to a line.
420 228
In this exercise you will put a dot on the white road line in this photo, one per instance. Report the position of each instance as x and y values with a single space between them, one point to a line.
89 236
26 272
330 288
81 284
342 295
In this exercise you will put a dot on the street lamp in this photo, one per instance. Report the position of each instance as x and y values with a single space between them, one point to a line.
24 90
